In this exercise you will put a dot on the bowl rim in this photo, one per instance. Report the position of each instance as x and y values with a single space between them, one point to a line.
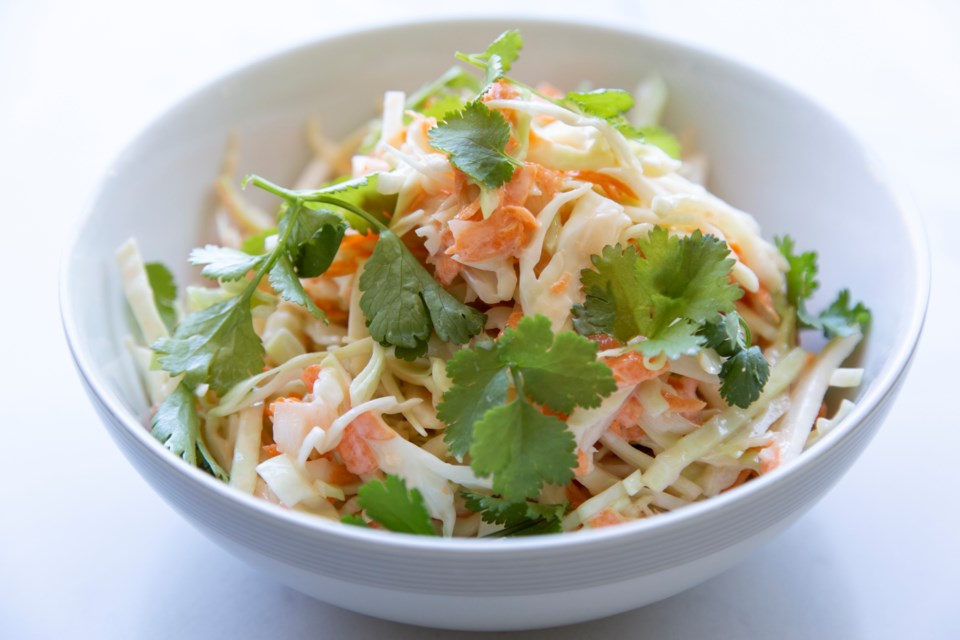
888 376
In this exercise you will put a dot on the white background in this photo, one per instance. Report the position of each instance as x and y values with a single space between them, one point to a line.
87 550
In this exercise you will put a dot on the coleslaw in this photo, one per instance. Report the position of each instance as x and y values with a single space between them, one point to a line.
495 310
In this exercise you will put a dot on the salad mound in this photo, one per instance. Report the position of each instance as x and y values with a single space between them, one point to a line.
496 310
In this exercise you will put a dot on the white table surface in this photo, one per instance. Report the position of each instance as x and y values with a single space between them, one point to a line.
87 550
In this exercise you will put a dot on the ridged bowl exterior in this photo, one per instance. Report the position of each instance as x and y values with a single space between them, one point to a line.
529 583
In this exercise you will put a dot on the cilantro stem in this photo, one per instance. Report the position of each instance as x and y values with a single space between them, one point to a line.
325 199
294 211
517 528
292 196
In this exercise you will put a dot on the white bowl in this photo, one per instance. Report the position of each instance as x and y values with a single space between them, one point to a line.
772 152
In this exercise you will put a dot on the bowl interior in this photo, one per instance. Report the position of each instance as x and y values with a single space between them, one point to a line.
771 153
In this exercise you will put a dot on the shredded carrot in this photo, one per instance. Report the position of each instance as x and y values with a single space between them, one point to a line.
614 188
418 202
503 90
681 404
584 462
371 427
340 475
741 478
822 413
504 233
575 494
625 421
356 453
268 408
605 341
332 308
769 457
445 269
606 518
561 284
518 189
358 457
354 248
269 451
469 210
547 411
628 369
684 386
515 316
310 375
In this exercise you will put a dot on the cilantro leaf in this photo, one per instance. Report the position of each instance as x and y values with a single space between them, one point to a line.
208 462
313 239
743 377
657 136
257 244
612 291
164 292
517 518
314 256
287 285
801 277
602 103
224 263
476 138
444 94
356 520
522 448
611 105
402 301
745 371
679 339
498 57
685 277
839 319
559 371
661 289
176 425
517 443
443 106
480 383
390 504
726 336
217 345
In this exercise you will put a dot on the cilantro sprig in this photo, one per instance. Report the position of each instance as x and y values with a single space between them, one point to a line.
498 58
402 302
517 518
676 293
394 507
491 413
839 319
663 289
476 136
476 139
444 94
164 292
745 371
218 345
612 105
